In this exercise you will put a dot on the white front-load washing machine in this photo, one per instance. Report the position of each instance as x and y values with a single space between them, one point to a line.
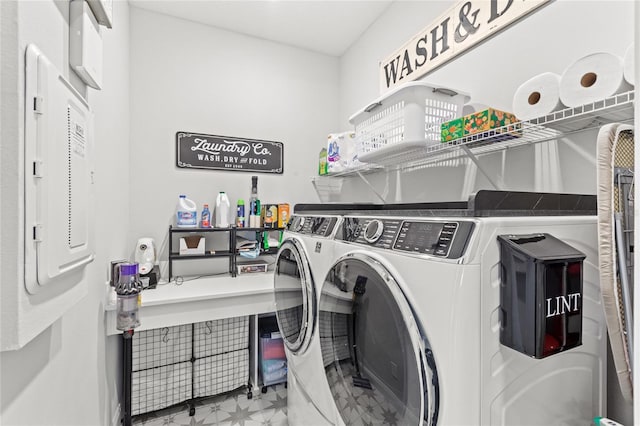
484 312
303 260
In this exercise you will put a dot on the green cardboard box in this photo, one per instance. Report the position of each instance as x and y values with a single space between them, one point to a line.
322 162
485 120
479 122
452 130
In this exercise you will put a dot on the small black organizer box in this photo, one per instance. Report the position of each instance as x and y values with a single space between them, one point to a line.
540 294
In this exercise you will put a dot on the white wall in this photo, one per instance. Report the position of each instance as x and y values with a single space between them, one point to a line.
68 374
185 76
548 40
190 77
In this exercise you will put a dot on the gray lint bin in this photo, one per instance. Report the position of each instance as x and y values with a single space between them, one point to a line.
540 294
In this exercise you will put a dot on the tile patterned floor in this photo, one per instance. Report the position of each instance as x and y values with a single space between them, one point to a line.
361 406
234 408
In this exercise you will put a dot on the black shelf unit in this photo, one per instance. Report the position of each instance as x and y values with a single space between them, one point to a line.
177 256
232 253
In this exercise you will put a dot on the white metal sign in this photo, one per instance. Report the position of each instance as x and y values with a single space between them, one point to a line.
458 29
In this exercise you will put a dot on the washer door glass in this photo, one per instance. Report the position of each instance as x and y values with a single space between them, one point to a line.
295 295
373 352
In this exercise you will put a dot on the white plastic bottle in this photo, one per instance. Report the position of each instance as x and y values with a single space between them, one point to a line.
222 210
186 213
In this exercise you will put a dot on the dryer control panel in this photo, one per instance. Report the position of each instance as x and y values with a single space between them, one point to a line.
433 238
313 225
436 238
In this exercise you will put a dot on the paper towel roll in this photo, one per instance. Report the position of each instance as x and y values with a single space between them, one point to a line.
537 97
472 107
592 78
629 61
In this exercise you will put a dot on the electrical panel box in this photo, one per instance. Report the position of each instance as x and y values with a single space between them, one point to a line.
85 44
58 179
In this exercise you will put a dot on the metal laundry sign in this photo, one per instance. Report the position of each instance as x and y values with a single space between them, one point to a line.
455 31
198 151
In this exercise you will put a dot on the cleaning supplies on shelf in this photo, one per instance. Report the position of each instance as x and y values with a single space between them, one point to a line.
283 215
205 217
222 210
240 223
254 204
322 162
341 151
270 215
271 239
186 213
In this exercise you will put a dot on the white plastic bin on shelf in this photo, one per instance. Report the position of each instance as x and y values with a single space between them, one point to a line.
273 360
411 112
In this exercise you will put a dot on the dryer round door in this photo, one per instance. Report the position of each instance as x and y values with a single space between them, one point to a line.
377 362
295 295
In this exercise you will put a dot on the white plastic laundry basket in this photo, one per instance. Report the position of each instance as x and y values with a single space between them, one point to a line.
412 112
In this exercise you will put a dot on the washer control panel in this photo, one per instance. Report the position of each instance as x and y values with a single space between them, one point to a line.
440 238
313 225
374 232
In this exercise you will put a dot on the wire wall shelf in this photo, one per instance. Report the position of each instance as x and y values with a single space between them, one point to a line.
412 155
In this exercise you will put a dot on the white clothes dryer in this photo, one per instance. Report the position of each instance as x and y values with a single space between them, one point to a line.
414 315
303 260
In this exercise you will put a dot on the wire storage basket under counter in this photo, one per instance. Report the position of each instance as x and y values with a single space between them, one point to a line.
412 112
177 364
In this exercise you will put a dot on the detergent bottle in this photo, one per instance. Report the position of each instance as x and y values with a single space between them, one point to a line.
222 210
186 213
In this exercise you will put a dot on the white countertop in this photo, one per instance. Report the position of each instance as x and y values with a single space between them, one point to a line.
204 288
199 299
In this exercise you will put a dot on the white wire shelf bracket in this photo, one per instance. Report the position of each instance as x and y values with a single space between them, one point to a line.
326 187
362 168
